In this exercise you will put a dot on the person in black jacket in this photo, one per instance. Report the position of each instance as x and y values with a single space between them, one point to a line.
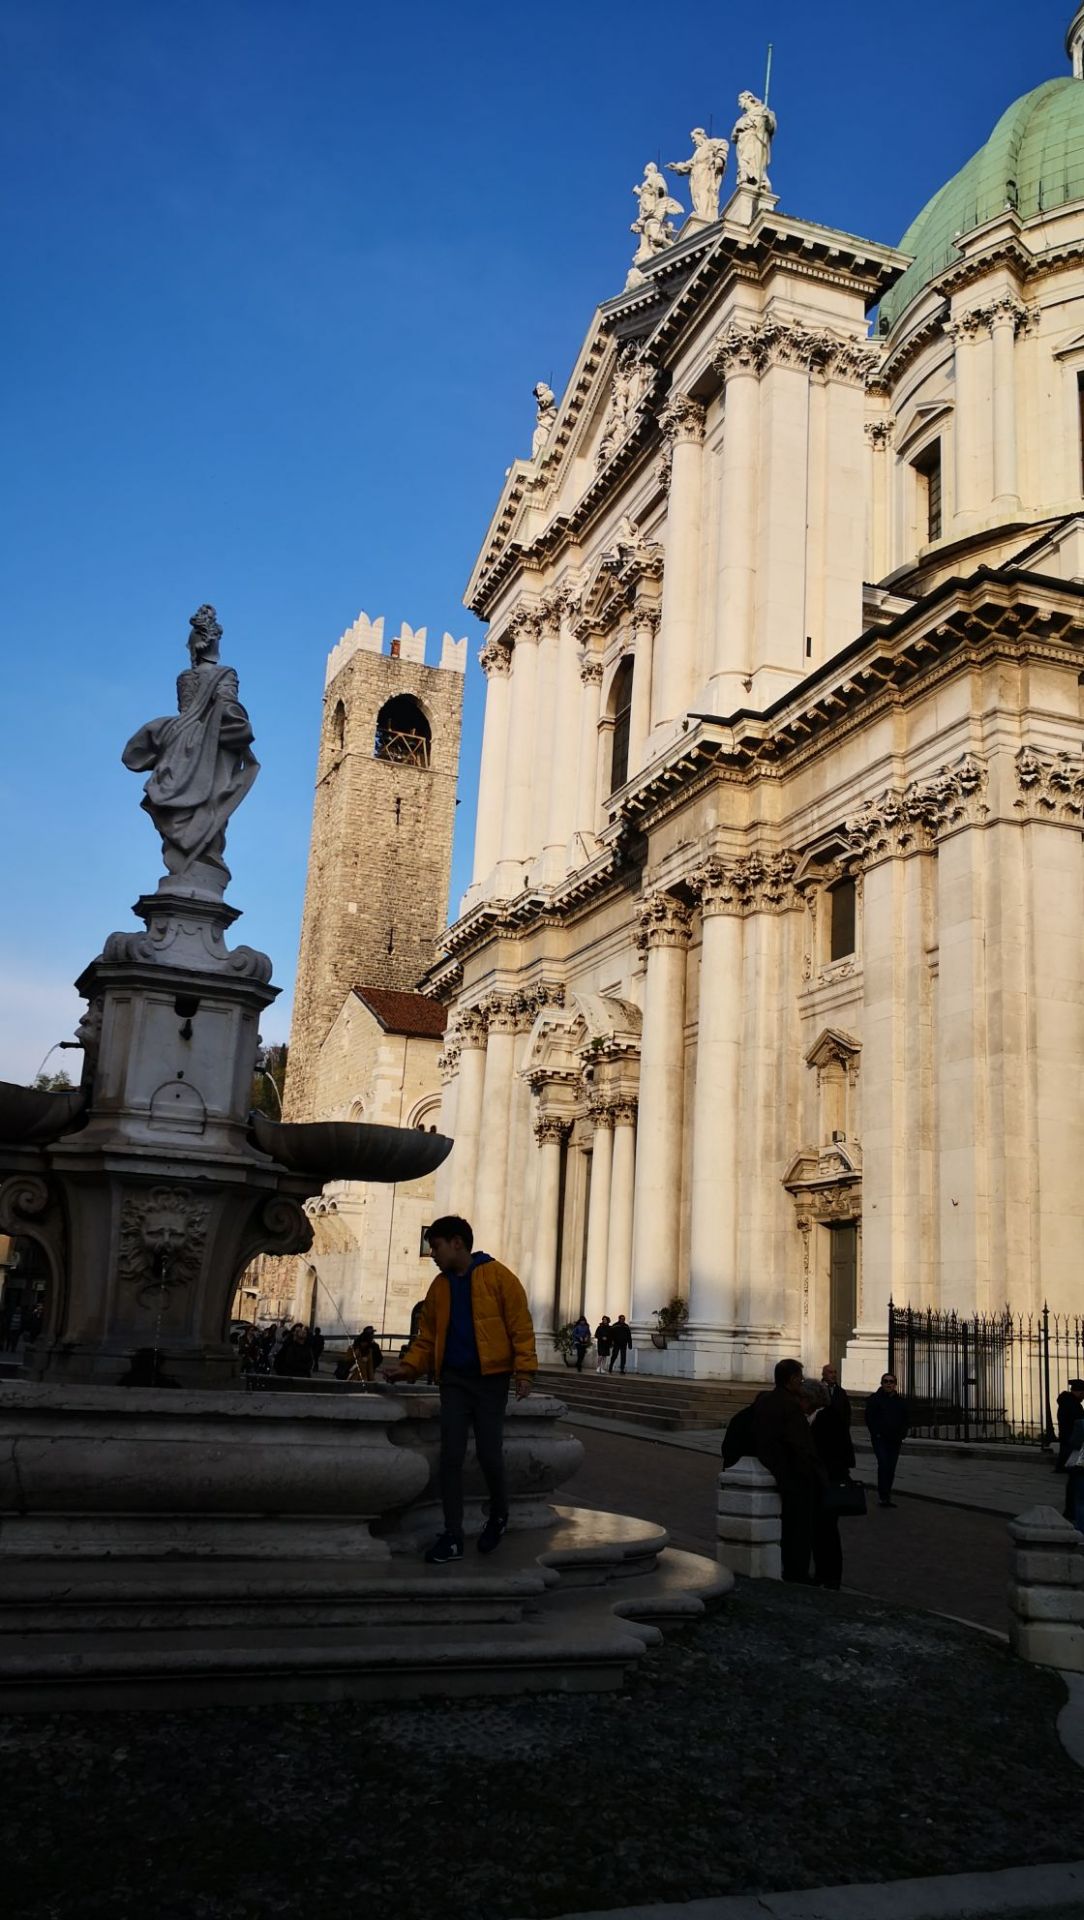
294 1357
1069 1410
784 1445
620 1342
830 1428
887 1420
836 1395
318 1345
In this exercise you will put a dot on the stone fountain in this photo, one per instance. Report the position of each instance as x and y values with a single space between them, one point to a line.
161 1529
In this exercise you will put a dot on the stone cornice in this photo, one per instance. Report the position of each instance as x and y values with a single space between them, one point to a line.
1051 785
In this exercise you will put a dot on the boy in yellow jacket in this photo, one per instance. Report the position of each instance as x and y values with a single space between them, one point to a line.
474 1334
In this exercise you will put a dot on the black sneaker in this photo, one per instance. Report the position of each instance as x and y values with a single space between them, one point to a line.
492 1533
445 1549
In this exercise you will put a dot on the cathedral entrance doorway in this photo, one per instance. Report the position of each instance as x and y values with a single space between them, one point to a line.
842 1288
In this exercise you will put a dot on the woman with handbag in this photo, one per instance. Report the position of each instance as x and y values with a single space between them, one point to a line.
835 1451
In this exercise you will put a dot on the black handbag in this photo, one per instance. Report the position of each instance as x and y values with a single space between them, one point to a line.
845 1498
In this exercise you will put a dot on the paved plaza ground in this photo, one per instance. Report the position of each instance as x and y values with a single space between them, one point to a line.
924 1553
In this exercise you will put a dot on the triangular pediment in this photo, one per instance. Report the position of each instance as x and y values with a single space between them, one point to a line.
833 1045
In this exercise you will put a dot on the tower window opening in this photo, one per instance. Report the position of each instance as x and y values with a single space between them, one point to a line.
621 703
841 910
338 726
928 470
402 732
398 809
1080 423
391 939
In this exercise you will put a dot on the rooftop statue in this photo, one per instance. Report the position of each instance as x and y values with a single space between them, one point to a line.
705 169
200 761
654 228
544 420
752 136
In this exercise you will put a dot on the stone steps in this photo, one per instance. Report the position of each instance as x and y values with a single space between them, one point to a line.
570 1606
654 1403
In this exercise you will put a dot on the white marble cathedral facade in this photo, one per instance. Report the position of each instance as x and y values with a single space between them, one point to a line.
769 988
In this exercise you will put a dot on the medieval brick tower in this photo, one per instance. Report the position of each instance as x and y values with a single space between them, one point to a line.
376 897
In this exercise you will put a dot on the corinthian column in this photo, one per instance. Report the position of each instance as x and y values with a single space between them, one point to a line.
587 776
551 1132
969 422
492 1178
448 1066
545 725
495 660
735 607
713 1299
562 805
516 835
1006 316
598 1218
879 541
462 1162
622 1179
664 932
682 421
645 625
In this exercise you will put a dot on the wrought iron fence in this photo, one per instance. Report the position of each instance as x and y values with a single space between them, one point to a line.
993 1376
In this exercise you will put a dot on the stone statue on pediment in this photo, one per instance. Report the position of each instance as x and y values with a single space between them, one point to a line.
705 168
653 224
544 420
752 136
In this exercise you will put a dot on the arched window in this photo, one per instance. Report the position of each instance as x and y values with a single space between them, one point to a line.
338 727
402 732
621 707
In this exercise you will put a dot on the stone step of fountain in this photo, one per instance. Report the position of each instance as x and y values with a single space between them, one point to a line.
570 1607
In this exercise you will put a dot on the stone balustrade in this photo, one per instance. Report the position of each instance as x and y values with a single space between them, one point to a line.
749 1526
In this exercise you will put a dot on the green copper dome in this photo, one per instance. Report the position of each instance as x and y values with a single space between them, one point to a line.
1033 161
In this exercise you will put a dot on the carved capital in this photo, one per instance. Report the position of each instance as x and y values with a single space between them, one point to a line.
738 350
470 1028
903 820
682 419
551 1129
448 1063
495 657
663 922
879 433
591 670
601 1114
758 883
1050 784
624 1112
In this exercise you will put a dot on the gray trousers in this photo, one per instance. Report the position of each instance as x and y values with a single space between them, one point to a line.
469 1400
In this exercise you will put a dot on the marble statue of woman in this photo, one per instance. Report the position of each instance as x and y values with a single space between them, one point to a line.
705 168
752 137
200 761
653 226
544 418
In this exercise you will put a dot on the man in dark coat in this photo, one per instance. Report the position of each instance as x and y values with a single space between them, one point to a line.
831 1434
888 1422
294 1357
1069 1411
784 1445
836 1396
620 1342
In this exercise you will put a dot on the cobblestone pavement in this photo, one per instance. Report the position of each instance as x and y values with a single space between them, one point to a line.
919 1554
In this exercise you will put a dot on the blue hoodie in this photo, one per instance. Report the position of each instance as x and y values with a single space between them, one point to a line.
460 1346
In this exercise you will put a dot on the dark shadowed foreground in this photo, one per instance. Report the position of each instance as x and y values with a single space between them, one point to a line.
793 1739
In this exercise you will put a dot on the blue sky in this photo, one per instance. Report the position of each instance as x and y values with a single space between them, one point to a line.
280 275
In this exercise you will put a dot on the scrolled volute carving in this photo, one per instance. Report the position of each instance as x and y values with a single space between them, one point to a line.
903 819
551 1129
682 419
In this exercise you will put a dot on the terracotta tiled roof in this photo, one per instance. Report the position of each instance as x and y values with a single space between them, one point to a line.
410 1013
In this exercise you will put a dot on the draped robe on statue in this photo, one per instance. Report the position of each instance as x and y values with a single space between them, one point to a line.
201 765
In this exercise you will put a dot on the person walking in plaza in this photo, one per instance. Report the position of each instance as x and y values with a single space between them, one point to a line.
318 1345
475 1334
1070 1408
620 1342
829 1425
602 1342
784 1444
836 1395
887 1420
581 1340
363 1357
